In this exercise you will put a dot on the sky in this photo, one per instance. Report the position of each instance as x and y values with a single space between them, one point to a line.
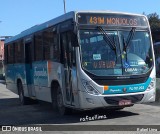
19 15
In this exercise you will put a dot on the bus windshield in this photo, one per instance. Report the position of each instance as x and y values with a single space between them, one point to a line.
133 56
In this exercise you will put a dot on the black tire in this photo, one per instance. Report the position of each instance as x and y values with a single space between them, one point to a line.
118 109
22 98
58 103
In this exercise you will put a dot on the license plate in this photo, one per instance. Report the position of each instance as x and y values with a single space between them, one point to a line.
124 102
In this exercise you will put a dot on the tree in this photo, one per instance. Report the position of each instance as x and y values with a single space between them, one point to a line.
154 20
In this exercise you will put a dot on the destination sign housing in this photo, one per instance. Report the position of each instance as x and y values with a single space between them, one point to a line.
111 19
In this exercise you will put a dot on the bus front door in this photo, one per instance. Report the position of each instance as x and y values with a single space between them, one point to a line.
29 69
66 59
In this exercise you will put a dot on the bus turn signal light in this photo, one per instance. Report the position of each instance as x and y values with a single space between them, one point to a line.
106 88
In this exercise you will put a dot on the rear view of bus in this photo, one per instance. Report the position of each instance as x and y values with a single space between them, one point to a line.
117 66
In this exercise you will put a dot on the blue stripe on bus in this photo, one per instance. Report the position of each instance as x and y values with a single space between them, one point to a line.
121 89
35 74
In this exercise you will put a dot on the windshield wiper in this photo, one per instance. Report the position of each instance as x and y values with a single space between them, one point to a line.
129 38
107 38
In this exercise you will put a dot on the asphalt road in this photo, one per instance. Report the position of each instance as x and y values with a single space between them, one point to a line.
12 113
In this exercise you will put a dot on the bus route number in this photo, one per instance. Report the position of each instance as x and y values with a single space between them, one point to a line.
97 20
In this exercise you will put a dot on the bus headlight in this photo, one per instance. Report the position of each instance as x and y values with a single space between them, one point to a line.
89 88
152 84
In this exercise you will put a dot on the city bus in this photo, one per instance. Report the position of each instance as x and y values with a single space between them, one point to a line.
83 60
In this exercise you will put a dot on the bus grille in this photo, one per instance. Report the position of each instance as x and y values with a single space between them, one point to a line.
115 100
120 81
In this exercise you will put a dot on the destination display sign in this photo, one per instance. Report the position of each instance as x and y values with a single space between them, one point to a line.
111 19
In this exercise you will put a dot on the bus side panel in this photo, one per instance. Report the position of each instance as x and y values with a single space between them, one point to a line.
20 74
55 73
45 73
41 81
10 78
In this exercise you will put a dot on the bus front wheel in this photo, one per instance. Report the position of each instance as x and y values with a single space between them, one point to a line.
58 103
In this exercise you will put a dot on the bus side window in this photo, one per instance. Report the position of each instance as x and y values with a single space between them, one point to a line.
68 49
64 49
56 49
10 54
19 52
50 45
38 47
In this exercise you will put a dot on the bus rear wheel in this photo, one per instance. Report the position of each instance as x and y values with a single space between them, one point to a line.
22 98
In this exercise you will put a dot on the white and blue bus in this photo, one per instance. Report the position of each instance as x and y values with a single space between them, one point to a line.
83 60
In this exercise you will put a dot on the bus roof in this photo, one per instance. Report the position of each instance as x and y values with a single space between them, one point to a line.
41 26
59 19
108 11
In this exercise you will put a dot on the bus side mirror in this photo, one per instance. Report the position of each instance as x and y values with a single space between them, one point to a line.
74 40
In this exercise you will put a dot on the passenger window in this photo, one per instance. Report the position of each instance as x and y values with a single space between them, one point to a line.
38 47
50 44
10 53
19 52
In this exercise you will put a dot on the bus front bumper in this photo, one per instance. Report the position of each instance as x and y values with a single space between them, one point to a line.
88 101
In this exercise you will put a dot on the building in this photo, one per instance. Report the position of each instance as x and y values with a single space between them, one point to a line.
1 60
1 50
2 39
